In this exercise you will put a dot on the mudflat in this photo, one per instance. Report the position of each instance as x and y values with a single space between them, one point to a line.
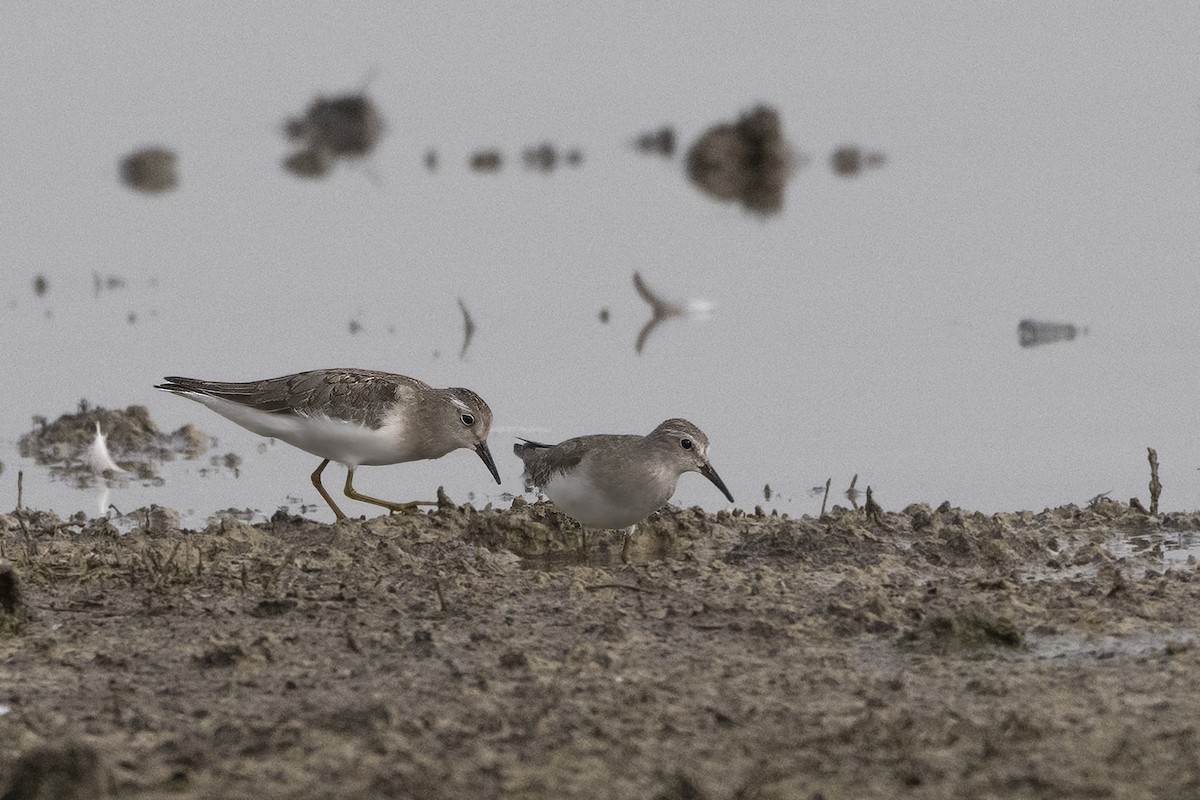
486 653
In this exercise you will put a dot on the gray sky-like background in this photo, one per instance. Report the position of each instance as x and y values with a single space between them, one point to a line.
1043 161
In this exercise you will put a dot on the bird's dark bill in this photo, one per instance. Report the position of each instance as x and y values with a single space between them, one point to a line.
486 455
707 471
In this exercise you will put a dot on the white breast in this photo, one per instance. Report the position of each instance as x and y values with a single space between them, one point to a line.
577 495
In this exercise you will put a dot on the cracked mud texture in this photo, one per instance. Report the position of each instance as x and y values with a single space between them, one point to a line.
476 653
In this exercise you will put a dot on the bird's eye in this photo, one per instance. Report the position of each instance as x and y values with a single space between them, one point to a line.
686 444
467 420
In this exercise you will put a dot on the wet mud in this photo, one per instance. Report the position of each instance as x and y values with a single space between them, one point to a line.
932 652
135 442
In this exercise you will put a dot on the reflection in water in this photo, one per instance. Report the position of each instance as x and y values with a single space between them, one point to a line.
100 460
663 310
748 161
150 170
1032 332
468 328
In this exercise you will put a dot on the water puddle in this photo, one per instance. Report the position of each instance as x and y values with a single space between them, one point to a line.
1173 549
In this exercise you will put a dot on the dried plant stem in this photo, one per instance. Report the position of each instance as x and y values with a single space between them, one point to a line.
825 499
1155 486
874 510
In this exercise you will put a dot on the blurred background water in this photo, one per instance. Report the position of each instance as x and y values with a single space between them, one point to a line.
1042 161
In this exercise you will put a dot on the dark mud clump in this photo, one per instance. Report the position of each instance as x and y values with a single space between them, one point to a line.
331 128
134 441
486 160
850 160
540 158
1031 332
660 142
747 161
152 170
933 652
13 612
70 771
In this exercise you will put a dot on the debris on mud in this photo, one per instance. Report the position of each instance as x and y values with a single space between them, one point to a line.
133 440
151 170
747 161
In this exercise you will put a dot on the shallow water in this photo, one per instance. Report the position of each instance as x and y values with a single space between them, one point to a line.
869 327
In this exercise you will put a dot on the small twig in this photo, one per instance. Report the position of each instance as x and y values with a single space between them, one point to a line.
825 499
874 510
437 588
1155 486
20 487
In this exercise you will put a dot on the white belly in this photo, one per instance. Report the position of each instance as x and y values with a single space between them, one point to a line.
345 442
578 497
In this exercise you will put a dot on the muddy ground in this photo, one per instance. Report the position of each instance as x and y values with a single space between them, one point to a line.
469 653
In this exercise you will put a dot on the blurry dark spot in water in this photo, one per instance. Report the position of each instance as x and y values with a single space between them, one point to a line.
41 285
604 316
349 126
106 282
660 142
851 160
486 160
431 160
355 327
767 492
150 170
747 161
574 157
542 157
1032 332
312 162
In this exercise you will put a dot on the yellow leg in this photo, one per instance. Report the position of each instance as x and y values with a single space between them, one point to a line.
401 507
316 479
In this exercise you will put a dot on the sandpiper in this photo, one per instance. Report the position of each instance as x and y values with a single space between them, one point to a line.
616 481
356 417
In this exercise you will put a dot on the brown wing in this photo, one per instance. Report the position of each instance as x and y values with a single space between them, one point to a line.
543 461
351 394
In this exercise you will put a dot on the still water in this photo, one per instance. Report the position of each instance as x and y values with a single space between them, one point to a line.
1040 162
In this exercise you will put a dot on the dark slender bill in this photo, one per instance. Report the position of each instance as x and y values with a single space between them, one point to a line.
707 471
486 455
